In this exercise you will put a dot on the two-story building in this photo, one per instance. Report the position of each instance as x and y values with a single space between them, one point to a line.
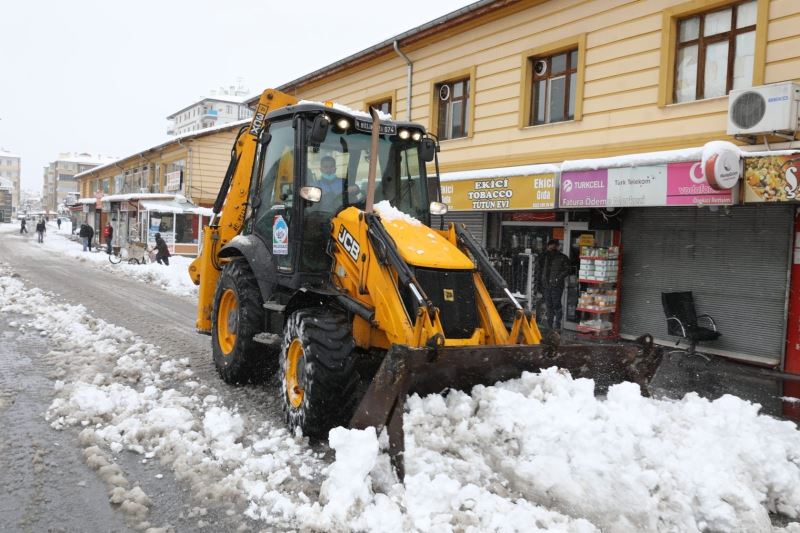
585 121
10 169
167 188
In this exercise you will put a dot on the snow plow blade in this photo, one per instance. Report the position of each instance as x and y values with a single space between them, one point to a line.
406 370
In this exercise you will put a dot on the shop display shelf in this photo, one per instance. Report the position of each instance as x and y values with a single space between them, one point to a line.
599 257
589 329
597 281
597 311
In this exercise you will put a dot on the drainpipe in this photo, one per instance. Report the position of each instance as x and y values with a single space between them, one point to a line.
187 190
410 77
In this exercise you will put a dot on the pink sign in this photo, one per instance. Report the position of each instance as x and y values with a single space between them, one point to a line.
588 188
686 185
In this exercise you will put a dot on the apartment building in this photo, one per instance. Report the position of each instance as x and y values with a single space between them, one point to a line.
221 107
10 169
59 185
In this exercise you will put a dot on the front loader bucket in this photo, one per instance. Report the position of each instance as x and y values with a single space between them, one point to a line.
407 370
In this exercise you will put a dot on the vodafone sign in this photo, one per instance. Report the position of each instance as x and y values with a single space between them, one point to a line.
721 165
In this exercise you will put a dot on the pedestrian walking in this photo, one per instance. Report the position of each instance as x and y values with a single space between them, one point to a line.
552 269
58 221
22 228
162 251
108 234
85 234
40 229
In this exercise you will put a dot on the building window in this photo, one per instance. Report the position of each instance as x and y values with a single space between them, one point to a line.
553 87
384 106
453 98
715 52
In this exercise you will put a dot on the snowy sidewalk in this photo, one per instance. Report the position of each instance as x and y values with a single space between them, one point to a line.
173 278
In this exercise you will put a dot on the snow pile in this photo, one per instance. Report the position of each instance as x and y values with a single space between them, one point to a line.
496 459
389 213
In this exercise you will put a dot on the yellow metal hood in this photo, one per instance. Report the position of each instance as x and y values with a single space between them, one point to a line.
421 246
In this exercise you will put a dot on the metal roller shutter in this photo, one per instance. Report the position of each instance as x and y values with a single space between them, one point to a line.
475 222
736 265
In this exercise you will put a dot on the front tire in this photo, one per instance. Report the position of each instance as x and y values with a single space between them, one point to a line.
318 369
236 318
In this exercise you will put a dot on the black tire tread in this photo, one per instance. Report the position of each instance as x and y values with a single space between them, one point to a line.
330 393
250 362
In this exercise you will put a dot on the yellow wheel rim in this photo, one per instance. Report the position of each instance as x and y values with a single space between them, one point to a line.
227 318
294 356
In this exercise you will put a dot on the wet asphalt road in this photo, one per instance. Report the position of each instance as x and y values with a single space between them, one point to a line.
45 484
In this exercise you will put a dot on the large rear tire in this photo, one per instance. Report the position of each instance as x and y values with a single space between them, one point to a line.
318 369
237 317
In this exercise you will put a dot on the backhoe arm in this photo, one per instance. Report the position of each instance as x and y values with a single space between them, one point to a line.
231 206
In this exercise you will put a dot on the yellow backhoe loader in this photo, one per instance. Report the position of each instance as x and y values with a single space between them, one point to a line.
321 263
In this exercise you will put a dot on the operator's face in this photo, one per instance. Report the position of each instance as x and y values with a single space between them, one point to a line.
328 168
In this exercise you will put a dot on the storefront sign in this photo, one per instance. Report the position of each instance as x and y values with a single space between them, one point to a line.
586 239
173 181
501 194
721 164
647 186
686 185
772 178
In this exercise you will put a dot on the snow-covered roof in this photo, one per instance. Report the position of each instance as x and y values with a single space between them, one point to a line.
138 196
345 109
225 98
86 159
502 172
172 140
174 206
631 160
4 153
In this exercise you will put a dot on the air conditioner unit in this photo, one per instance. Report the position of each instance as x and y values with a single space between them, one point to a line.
765 109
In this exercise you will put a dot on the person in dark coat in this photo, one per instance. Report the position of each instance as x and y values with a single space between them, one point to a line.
552 269
162 250
58 221
86 233
40 229
22 228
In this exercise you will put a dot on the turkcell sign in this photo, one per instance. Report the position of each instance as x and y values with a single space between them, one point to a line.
585 188
643 186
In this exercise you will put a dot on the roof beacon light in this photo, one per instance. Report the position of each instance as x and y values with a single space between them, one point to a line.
343 123
403 134
328 103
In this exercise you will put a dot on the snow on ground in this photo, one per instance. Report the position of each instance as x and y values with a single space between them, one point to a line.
540 453
173 278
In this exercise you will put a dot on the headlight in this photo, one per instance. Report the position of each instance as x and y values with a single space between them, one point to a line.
343 123
416 135
403 134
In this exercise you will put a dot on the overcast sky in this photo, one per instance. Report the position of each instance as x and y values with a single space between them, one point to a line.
101 76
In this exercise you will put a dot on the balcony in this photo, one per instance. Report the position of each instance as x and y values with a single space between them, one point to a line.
211 113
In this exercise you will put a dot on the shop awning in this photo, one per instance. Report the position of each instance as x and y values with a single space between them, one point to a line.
173 206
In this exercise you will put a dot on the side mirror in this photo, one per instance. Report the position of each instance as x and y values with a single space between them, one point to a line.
319 130
312 194
427 149
438 208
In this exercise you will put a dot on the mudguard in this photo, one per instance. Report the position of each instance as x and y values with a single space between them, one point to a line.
255 251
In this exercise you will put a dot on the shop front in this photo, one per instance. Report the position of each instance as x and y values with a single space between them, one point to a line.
179 222
512 211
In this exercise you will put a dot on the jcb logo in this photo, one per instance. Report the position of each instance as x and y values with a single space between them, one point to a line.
449 295
349 243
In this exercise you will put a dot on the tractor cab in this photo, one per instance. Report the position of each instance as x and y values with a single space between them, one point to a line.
313 161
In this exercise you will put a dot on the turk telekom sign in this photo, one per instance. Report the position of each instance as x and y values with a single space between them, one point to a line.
645 186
